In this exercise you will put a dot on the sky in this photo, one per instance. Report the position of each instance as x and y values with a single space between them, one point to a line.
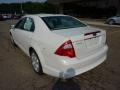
14 1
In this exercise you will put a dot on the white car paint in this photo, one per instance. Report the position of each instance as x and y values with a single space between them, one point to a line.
90 50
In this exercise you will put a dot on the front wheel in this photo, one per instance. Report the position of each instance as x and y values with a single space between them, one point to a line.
36 63
12 40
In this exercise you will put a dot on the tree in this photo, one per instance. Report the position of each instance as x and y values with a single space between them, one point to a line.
28 7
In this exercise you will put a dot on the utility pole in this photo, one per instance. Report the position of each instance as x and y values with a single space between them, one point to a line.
21 8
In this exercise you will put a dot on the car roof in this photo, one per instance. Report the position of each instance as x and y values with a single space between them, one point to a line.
45 15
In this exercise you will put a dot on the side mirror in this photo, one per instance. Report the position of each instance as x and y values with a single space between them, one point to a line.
12 26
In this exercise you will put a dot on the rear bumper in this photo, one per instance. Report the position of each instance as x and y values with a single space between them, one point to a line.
75 66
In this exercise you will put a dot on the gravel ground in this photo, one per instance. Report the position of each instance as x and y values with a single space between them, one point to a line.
16 72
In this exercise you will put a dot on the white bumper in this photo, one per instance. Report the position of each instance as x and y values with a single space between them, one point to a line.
75 66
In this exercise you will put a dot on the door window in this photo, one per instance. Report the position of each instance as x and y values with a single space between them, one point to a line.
20 24
26 24
29 25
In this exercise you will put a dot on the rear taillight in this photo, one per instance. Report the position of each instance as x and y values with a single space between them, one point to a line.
66 49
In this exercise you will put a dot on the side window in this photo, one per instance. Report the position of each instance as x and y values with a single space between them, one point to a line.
20 24
29 25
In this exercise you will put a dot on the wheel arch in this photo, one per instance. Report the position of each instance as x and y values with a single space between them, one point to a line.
30 50
10 33
40 56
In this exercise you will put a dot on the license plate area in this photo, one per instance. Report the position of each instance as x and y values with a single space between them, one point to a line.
91 42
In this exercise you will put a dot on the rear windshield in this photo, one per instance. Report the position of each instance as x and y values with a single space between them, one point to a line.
62 22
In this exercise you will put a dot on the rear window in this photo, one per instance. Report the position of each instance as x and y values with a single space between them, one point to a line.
62 22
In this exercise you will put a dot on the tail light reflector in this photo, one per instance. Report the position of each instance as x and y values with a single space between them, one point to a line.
66 49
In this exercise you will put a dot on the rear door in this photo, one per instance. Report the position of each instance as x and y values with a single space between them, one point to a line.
17 31
24 34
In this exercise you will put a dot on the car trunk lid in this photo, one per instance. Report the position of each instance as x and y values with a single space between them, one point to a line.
84 39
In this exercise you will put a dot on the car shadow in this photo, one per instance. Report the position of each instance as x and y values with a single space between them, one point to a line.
69 84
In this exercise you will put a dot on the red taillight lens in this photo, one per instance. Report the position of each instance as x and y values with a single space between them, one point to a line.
66 49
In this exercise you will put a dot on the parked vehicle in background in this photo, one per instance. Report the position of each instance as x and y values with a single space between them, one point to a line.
113 20
59 45
10 16
16 16
6 16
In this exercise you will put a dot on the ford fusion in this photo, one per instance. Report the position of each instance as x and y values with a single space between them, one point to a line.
59 45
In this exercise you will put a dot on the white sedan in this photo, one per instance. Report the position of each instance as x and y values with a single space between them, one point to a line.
113 20
59 45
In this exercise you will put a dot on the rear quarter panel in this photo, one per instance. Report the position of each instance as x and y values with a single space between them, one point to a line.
45 43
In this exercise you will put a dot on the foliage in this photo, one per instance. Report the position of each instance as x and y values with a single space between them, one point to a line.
28 8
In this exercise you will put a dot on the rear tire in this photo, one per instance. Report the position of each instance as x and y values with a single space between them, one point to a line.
36 62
